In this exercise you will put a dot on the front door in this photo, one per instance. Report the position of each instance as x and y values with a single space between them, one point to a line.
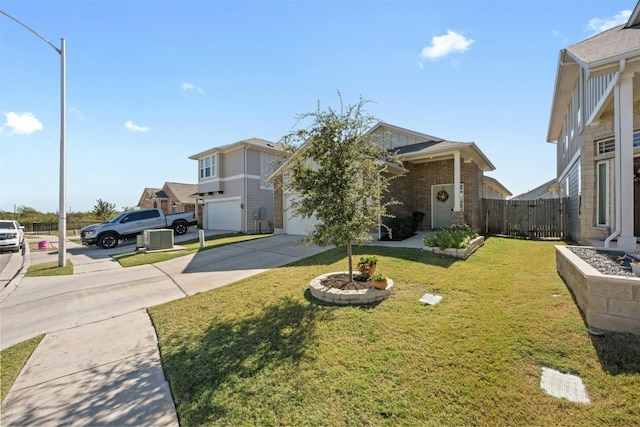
441 205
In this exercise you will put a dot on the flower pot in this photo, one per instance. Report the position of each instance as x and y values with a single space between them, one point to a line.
367 270
379 284
635 267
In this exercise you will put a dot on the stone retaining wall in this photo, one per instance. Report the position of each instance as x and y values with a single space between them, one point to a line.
346 297
458 253
608 302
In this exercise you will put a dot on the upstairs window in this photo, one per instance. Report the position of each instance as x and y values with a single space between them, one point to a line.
208 167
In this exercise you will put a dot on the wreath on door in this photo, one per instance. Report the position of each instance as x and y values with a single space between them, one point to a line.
442 196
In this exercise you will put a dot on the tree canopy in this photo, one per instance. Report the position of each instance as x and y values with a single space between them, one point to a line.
335 175
104 210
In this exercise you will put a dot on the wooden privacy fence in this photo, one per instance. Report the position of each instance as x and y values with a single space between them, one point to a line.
529 219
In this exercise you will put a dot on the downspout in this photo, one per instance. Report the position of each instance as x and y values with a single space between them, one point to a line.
244 197
617 161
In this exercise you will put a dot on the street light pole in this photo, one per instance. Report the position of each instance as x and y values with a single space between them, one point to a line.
62 211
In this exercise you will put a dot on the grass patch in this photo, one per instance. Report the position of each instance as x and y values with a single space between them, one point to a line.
262 351
132 259
12 359
50 269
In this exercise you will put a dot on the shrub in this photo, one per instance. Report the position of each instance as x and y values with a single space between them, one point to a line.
457 237
402 228
368 260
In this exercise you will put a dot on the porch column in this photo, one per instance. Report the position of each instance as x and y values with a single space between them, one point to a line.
456 181
623 110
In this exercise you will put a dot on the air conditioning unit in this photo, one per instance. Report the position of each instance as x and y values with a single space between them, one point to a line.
158 239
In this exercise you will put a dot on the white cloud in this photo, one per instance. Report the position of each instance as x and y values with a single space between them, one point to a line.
135 128
446 44
22 123
598 25
190 87
76 113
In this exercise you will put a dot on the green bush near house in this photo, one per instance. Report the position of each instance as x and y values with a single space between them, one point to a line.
402 228
457 237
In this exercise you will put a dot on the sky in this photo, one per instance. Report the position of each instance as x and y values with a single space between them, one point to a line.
151 82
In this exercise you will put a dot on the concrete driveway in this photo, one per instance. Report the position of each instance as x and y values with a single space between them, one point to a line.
99 363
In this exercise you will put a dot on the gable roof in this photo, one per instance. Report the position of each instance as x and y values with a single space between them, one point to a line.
495 185
432 148
182 192
597 55
255 143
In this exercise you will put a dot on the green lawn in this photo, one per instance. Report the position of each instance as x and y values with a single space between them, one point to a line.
262 352
12 359
50 269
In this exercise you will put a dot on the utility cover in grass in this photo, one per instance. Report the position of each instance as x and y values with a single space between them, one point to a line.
430 299
565 386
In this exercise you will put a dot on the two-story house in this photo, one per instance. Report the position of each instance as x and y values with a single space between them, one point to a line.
233 186
595 122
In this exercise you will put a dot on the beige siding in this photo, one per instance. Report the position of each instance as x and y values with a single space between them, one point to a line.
258 198
232 163
395 139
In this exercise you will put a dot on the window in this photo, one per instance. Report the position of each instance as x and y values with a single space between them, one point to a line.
609 145
150 214
603 193
208 167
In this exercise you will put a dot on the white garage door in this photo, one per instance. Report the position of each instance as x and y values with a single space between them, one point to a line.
224 215
296 225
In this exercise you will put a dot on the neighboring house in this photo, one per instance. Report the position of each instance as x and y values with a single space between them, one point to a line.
233 186
548 190
434 169
595 122
493 189
173 197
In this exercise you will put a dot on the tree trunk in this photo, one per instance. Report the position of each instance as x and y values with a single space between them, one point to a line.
350 261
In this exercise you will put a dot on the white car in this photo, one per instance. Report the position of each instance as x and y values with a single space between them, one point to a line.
11 235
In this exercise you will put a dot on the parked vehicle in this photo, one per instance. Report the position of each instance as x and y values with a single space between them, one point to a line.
129 224
11 235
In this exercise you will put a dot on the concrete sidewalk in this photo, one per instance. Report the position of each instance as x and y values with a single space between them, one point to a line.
104 373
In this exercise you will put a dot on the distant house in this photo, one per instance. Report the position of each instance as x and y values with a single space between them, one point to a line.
493 189
548 190
595 122
173 197
444 180
233 186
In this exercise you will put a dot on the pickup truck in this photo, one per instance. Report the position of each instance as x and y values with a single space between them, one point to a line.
129 224
11 235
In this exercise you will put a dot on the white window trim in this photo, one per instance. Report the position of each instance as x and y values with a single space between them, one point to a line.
214 165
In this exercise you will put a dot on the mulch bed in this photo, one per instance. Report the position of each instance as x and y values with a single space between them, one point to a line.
341 281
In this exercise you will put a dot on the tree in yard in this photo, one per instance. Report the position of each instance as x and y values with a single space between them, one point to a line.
103 210
336 176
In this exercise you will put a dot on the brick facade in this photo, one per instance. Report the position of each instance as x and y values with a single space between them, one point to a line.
414 190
